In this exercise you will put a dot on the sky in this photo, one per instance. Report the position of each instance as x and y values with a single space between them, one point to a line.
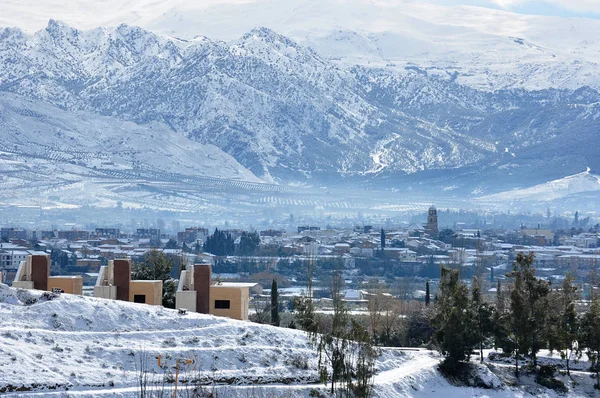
564 8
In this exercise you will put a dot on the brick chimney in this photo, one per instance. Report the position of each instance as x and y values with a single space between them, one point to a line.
202 280
40 271
122 278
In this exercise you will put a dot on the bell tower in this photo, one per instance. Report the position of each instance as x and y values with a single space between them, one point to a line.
432 221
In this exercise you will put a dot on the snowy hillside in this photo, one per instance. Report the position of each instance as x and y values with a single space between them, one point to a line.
571 185
287 114
95 347
50 156
453 42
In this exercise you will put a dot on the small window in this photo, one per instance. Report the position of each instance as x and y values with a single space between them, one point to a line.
222 304
139 298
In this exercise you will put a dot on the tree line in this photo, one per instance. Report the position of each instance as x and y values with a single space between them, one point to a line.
519 322
221 243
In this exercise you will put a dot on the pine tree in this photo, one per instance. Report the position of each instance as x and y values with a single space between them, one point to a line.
484 315
157 266
171 244
454 321
219 243
590 336
427 294
274 304
529 309
564 323
249 241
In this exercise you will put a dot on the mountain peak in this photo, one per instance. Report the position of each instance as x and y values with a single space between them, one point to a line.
55 27
268 36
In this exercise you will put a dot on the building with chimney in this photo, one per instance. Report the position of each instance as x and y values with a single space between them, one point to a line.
197 292
34 273
114 282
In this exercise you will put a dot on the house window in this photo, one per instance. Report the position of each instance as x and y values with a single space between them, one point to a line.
139 298
222 304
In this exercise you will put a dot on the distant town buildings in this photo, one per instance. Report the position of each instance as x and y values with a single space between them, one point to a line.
416 250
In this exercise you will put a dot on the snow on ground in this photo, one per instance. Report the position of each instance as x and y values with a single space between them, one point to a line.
556 189
92 347
86 342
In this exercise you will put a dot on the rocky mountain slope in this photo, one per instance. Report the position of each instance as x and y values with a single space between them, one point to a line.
480 47
288 114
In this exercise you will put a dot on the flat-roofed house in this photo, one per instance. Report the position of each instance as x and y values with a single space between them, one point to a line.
114 282
197 293
34 273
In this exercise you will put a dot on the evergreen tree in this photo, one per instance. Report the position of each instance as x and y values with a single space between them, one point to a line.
590 337
564 323
157 266
453 319
484 315
382 238
274 304
446 235
219 243
197 248
427 294
249 241
529 309
171 244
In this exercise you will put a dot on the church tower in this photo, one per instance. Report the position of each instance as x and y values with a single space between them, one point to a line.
432 222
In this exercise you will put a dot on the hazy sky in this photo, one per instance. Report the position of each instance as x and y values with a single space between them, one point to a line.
569 8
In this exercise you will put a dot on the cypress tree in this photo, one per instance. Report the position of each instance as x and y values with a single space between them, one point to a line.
427 294
274 304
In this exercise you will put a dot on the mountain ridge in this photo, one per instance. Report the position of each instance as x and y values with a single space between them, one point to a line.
452 42
286 113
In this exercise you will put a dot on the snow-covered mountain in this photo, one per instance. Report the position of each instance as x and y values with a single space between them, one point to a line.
288 114
481 47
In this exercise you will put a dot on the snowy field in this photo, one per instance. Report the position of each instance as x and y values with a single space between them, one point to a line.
79 346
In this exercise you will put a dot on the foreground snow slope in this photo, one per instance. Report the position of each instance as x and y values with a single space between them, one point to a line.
86 342
528 51
92 347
